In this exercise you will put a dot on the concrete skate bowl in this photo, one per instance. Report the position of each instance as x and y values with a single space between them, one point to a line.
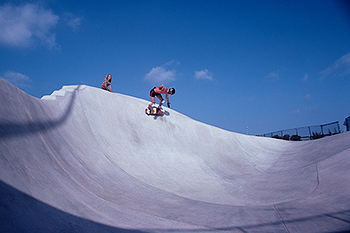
87 160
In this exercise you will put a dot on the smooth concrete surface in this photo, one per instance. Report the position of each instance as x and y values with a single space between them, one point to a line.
87 160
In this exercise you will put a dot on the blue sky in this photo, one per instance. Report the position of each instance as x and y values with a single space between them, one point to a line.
265 65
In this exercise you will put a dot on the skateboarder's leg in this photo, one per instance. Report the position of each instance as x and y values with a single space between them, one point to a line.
161 100
153 102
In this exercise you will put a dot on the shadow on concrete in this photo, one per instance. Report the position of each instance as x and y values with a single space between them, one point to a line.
266 227
14 129
21 213
166 113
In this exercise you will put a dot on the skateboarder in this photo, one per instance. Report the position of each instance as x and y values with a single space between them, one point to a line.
107 82
158 91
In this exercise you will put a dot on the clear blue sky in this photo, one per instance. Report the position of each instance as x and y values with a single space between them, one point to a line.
265 65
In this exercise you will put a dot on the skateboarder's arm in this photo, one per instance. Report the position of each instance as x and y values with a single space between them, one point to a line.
167 100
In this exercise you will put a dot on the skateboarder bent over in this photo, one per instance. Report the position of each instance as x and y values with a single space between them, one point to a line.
158 91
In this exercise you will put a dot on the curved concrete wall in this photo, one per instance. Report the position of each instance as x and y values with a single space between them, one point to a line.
94 158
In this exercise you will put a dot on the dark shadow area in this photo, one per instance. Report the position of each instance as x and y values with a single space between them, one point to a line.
13 129
21 213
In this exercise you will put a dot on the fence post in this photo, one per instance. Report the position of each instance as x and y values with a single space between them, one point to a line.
309 133
338 127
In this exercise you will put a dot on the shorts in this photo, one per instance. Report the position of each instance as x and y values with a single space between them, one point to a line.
153 94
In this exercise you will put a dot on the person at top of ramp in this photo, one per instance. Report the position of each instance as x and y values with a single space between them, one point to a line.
158 91
107 83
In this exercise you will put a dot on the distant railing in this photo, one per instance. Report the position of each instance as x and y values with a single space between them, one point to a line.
306 132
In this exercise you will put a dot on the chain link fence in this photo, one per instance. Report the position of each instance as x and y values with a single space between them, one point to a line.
306 132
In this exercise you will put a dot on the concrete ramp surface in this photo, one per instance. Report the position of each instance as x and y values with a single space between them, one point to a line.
87 160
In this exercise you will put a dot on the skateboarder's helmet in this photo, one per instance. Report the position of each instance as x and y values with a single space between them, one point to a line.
172 91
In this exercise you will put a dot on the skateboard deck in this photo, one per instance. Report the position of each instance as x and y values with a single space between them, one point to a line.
154 111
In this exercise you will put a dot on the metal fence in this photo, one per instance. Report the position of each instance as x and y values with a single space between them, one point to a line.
306 132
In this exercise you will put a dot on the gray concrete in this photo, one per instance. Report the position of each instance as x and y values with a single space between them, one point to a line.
86 160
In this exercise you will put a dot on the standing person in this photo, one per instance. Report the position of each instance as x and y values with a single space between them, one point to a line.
107 83
158 91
